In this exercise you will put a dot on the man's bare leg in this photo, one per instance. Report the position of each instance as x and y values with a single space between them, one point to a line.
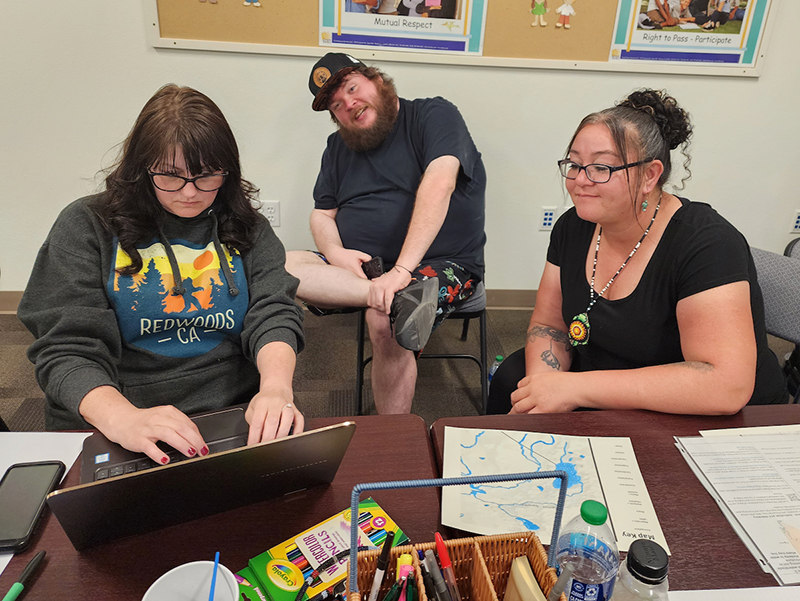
324 285
394 369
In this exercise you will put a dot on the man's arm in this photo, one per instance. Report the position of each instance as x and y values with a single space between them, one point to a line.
430 209
329 243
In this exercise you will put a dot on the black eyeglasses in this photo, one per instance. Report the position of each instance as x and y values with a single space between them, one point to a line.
596 172
172 183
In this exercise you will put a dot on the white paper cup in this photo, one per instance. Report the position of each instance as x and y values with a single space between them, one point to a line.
192 582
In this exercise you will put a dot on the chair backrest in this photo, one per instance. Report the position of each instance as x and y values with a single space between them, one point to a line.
793 249
779 279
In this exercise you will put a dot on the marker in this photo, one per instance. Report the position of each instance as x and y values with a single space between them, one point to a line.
439 585
404 560
19 585
383 563
447 568
214 577
406 575
412 594
561 583
394 592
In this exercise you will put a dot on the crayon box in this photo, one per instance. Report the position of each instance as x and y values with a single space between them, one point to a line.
278 573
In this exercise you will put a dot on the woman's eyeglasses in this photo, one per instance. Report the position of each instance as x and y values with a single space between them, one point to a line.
172 183
596 172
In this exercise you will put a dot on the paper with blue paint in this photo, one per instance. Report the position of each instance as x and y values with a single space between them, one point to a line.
590 462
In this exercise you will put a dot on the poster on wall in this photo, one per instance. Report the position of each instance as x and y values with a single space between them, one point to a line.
710 32
426 26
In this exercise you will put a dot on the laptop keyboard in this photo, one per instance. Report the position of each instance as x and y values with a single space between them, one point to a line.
145 463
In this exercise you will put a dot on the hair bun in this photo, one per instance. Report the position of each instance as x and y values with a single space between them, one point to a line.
672 120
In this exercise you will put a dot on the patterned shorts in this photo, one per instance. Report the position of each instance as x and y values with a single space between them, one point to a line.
456 285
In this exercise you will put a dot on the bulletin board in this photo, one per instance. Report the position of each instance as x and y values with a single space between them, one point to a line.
605 35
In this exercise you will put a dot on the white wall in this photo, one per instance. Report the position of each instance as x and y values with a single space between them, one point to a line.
74 75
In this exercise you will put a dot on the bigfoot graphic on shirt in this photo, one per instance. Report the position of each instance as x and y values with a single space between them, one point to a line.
152 318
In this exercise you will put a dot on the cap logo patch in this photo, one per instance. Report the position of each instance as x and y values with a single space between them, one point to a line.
320 76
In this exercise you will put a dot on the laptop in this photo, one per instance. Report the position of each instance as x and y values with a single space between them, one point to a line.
147 499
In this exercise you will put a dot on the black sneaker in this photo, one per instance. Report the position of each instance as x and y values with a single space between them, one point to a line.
413 313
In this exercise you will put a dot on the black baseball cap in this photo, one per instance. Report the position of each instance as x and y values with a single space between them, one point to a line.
326 75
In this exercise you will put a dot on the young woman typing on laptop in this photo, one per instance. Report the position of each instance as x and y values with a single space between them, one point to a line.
165 294
647 300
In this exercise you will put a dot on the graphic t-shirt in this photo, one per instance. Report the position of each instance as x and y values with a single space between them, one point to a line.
152 318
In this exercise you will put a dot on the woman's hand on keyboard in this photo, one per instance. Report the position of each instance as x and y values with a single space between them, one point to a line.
140 429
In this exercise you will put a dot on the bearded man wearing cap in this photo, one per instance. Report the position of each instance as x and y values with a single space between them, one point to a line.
401 180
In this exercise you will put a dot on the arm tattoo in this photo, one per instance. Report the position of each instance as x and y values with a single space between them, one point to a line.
553 335
550 359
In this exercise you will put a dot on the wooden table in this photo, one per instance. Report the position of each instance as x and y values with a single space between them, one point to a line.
383 448
706 552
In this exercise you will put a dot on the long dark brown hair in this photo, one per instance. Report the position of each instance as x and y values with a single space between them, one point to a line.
176 118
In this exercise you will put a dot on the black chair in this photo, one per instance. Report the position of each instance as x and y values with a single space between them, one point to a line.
473 308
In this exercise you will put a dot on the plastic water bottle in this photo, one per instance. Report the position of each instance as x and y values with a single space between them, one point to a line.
644 573
589 545
497 361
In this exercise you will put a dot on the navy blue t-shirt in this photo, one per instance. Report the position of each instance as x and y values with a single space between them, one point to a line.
699 250
374 191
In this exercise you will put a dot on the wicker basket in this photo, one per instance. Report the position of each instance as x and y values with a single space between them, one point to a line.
481 565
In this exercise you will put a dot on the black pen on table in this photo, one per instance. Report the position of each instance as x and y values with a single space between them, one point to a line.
383 563
19 585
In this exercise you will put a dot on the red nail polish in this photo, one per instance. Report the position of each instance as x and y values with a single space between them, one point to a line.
204 451
165 460
192 452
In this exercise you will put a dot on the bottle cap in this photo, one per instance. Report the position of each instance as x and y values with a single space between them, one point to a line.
594 513
647 561
498 358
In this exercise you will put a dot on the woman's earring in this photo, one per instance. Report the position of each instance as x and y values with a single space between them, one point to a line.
644 205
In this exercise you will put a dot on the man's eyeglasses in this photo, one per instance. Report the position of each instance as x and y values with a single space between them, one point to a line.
596 172
172 183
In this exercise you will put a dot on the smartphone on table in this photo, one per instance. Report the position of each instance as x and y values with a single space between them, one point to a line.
23 491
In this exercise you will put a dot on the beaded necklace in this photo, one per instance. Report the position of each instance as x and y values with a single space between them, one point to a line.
579 328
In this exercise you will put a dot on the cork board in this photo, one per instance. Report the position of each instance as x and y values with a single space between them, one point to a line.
599 37
509 32
275 22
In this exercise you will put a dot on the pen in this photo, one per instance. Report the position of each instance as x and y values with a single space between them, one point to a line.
447 568
427 579
19 585
383 563
561 583
439 584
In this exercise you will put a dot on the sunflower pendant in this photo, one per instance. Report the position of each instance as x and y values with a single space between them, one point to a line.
579 330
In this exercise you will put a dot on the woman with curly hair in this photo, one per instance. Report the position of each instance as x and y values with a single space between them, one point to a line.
647 300
166 293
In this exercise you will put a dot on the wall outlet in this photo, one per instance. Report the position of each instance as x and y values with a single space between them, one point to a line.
272 211
795 223
548 218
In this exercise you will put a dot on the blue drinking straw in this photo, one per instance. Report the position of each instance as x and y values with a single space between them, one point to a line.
214 577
